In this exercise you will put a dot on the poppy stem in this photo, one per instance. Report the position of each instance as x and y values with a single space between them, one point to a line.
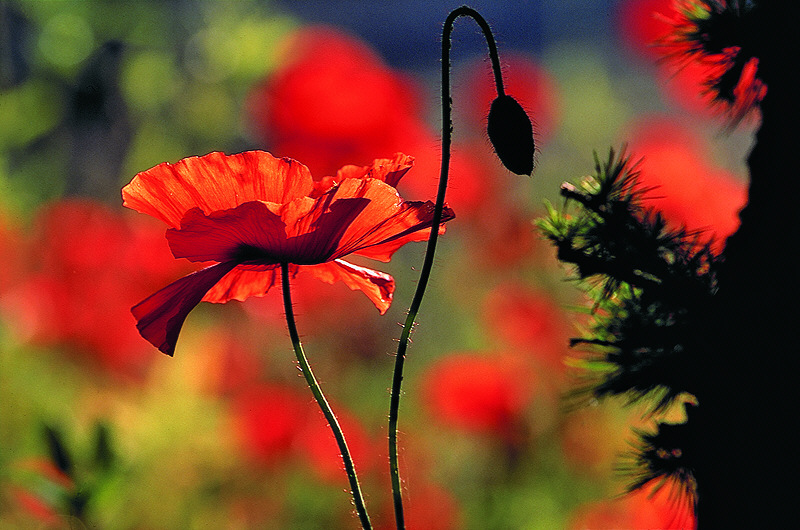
405 335
305 368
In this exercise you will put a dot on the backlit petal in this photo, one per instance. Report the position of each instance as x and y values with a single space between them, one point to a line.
160 316
215 182
307 231
245 281
228 235
388 170
385 219
378 286
384 251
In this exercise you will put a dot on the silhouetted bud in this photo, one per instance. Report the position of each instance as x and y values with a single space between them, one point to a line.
511 133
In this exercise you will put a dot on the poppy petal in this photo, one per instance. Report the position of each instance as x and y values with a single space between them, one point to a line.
248 232
245 281
388 170
386 218
160 316
214 182
306 231
378 286
384 250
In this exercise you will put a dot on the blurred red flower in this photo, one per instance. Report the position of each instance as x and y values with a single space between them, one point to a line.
334 101
529 321
249 212
268 420
479 393
686 188
11 247
276 423
703 39
641 510
319 448
427 506
84 267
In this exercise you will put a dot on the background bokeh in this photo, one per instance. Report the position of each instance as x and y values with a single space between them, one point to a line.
99 429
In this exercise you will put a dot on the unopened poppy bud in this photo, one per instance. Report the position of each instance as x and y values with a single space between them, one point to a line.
511 133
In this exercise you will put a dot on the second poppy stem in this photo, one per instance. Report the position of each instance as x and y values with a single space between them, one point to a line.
427 265
305 368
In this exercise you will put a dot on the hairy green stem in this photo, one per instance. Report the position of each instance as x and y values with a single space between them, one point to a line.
305 368
447 130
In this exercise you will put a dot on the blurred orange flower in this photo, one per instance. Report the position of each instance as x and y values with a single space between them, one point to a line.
247 213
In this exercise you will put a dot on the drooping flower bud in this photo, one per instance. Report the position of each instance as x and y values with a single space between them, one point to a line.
511 133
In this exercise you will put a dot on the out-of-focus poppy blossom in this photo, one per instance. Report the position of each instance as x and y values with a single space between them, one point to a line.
250 212
85 266
319 448
686 88
703 40
529 321
276 423
682 184
717 35
640 510
643 25
226 363
267 421
334 102
503 242
11 248
431 507
480 393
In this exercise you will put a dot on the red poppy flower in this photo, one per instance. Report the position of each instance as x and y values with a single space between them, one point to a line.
687 189
531 321
482 394
85 265
334 101
250 212
268 420
320 451
430 506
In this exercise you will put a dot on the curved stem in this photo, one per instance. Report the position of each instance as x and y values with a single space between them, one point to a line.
447 130
305 368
